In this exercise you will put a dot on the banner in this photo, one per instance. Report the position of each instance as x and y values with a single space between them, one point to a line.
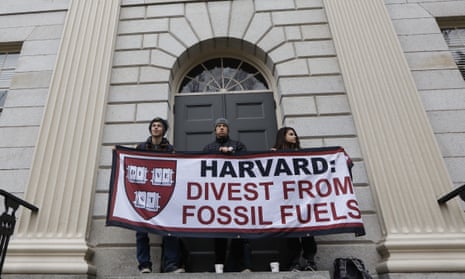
251 195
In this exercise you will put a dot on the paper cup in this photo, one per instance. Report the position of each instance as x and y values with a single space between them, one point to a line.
274 266
218 268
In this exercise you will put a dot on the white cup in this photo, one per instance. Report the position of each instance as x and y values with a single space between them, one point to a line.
274 266
219 268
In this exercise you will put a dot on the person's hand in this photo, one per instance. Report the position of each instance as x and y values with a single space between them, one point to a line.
226 149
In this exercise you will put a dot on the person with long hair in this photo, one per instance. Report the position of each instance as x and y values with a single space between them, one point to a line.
305 247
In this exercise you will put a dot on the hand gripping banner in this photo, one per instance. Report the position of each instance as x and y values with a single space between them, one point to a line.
251 195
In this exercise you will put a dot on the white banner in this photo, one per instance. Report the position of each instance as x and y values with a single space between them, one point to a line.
251 195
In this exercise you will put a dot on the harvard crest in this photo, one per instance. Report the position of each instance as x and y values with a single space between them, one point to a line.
149 184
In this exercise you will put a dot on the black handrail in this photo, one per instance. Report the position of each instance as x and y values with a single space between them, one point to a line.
459 191
8 221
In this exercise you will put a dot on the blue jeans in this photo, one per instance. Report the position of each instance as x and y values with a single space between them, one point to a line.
143 250
172 253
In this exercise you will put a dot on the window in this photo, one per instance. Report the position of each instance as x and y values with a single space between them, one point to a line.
223 75
9 55
454 34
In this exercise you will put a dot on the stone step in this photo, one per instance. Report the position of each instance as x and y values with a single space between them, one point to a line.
232 275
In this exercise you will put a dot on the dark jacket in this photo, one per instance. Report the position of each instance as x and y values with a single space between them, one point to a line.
164 146
214 146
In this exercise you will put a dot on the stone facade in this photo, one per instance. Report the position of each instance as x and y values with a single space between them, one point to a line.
295 43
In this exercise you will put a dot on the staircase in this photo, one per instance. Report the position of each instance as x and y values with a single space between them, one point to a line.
232 275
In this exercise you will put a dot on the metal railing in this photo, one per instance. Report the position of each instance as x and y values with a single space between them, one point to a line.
8 221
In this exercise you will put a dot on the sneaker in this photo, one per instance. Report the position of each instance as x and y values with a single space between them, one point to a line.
175 270
146 270
295 268
310 266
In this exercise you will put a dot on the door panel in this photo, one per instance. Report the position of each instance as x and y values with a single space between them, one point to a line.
194 118
254 119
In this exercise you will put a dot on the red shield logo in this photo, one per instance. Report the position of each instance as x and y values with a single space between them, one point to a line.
149 184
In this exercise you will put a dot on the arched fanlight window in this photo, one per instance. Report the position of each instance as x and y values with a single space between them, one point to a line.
223 75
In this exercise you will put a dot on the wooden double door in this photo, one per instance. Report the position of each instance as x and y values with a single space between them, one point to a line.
252 120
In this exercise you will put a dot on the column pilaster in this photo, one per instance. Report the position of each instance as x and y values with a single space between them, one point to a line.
405 167
63 171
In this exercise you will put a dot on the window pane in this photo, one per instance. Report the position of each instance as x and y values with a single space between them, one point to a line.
223 75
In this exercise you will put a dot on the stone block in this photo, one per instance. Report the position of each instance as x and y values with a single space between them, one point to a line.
124 75
427 42
455 165
14 181
241 14
32 19
451 8
443 99
120 113
40 47
124 133
415 26
438 79
299 105
451 144
36 63
26 97
170 44
272 39
282 53
135 12
198 17
323 126
131 58
26 116
266 5
431 60
447 121
16 158
147 111
161 59
403 11
180 28
350 145
128 42
106 154
335 104
292 68
46 32
315 48
139 92
309 4
259 25
143 26
154 74
150 40
315 32
28 80
311 85
219 12
292 33
168 10
103 179
18 136
299 17
15 34
323 65
25 6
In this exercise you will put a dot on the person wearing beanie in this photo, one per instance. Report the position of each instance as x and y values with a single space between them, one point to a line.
171 246
240 254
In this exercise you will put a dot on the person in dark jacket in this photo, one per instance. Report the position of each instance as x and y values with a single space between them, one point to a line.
306 247
171 246
240 254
